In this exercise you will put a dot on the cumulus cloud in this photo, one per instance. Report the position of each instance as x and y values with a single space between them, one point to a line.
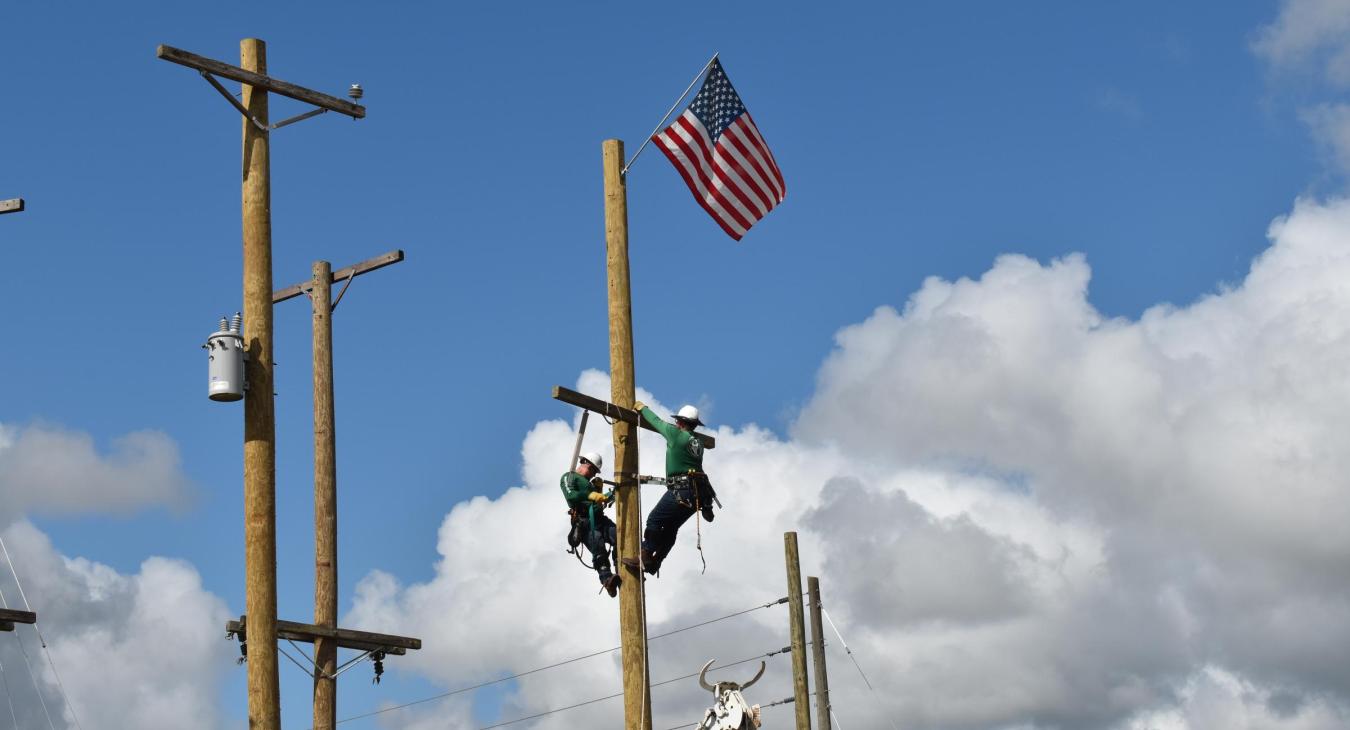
1309 31
1310 39
131 651
45 468
1025 514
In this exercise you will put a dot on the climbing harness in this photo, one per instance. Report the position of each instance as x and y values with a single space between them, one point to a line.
694 483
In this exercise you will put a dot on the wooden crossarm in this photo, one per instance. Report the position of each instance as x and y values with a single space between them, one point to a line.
345 638
11 616
13 205
257 80
609 410
379 262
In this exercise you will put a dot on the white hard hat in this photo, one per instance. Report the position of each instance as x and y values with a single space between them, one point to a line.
689 413
595 458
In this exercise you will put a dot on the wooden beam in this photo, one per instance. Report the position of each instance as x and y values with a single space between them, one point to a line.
13 205
611 411
6 626
18 617
379 262
345 638
260 81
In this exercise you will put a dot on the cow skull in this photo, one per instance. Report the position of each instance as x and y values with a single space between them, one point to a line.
729 711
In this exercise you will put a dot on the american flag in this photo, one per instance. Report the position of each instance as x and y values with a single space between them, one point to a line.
717 149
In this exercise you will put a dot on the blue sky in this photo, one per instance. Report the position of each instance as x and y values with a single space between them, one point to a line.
916 140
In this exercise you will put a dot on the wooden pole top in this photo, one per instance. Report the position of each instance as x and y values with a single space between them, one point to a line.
260 81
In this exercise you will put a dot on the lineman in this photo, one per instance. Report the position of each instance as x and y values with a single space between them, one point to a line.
581 489
687 487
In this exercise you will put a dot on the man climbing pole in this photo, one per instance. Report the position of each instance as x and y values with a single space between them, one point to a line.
590 526
687 487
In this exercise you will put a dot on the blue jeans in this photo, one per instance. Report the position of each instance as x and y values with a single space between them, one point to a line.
674 509
600 536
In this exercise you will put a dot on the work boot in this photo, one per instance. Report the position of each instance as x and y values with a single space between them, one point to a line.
612 585
649 562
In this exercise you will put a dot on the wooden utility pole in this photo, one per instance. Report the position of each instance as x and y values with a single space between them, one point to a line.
818 656
264 703
325 473
637 700
13 205
801 698
260 453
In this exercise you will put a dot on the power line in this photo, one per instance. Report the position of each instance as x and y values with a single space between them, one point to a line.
871 689
555 665
614 696
23 650
41 640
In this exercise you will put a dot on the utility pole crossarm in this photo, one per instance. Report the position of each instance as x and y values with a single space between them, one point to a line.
379 262
345 638
13 205
260 81
9 617
609 410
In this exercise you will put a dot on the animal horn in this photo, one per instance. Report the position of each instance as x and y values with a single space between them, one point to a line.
702 676
755 678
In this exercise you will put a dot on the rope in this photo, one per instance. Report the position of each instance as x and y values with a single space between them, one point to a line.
42 640
555 665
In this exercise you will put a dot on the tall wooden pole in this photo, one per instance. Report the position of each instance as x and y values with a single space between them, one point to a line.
637 701
260 537
801 697
325 500
818 656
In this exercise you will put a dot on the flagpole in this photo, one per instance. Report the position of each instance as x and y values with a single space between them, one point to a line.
672 109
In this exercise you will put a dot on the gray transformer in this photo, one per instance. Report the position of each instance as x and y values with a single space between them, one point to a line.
225 350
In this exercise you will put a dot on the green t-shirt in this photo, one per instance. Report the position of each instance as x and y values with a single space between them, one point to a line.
684 452
576 490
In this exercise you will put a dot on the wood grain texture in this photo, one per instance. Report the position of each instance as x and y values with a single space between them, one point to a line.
796 626
371 264
613 412
325 499
346 638
260 539
259 80
637 700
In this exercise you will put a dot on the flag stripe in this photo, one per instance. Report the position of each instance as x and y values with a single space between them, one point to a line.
737 135
688 167
695 134
686 134
751 170
764 146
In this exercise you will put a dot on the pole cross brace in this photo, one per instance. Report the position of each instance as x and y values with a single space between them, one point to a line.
9 617
619 413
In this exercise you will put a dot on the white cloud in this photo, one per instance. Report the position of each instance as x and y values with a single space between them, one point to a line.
1309 32
45 468
1310 39
1025 515
132 651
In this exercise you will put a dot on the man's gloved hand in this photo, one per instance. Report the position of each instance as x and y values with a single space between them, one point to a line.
639 405
596 497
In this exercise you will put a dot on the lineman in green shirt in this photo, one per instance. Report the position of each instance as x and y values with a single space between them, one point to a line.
687 487
581 489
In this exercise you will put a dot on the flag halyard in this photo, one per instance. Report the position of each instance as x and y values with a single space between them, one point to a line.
717 149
